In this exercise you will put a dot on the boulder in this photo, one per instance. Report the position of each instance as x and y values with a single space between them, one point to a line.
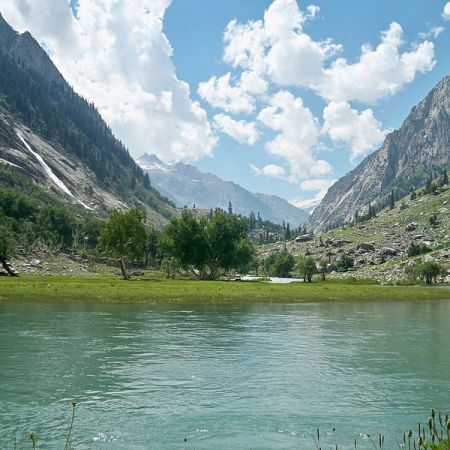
387 251
35 263
366 247
331 268
304 238
411 227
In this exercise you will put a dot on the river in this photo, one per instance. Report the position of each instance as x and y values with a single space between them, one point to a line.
242 377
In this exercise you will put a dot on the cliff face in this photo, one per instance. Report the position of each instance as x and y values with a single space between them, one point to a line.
408 157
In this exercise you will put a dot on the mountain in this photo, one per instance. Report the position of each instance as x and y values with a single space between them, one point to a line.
408 157
381 246
51 135
184 184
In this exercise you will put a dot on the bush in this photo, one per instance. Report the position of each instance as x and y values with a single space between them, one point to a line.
345 263
417 249
428 272
279 264
170 268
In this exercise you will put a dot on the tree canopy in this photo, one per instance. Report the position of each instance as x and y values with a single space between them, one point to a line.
207 248
124 237
307 268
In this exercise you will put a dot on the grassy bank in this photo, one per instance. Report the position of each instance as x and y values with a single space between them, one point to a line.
108 290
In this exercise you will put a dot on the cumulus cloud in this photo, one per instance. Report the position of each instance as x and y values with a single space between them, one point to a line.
297 137
240 130
379 72
220 92
446 12
114 53
271 170
278 48
359 130
277 52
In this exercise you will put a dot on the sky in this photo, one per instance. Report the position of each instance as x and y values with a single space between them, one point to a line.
279 96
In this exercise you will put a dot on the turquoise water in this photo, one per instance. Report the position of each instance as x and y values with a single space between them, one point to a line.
253 377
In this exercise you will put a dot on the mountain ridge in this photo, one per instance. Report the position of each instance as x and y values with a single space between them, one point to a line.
186 185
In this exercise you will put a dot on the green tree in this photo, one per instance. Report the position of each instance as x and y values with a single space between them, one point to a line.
322 268
151 247
428 272
392 200
7 249
58 224
207 248
123 238
307 268
279 264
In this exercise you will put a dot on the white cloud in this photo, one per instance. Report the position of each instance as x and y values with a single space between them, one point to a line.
360 130
433 32
298 135
379 72
271 170
446 12
277 47
316 184
320 186
115 54
220 93
242 131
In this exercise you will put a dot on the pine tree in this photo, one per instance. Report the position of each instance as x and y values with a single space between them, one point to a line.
392 200
252 221
287 233
259 220
230 208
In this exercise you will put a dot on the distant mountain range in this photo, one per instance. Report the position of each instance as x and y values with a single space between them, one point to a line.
410 156
52 136
185 185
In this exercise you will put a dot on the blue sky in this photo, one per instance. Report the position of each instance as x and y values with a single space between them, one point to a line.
195 29
286 103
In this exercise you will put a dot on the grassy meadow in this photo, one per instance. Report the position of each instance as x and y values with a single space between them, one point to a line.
152 289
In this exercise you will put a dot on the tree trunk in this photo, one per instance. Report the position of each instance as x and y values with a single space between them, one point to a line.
8 269
123 268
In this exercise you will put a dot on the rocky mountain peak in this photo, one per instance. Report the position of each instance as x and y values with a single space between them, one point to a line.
409 156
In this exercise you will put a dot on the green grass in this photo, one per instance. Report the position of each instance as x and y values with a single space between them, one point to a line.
110 290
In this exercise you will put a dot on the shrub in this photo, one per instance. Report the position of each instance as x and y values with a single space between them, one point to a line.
417 249
345 263
428 272
279 264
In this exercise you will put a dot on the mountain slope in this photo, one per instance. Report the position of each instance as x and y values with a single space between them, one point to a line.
52 135
379 246
408 157
184 184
